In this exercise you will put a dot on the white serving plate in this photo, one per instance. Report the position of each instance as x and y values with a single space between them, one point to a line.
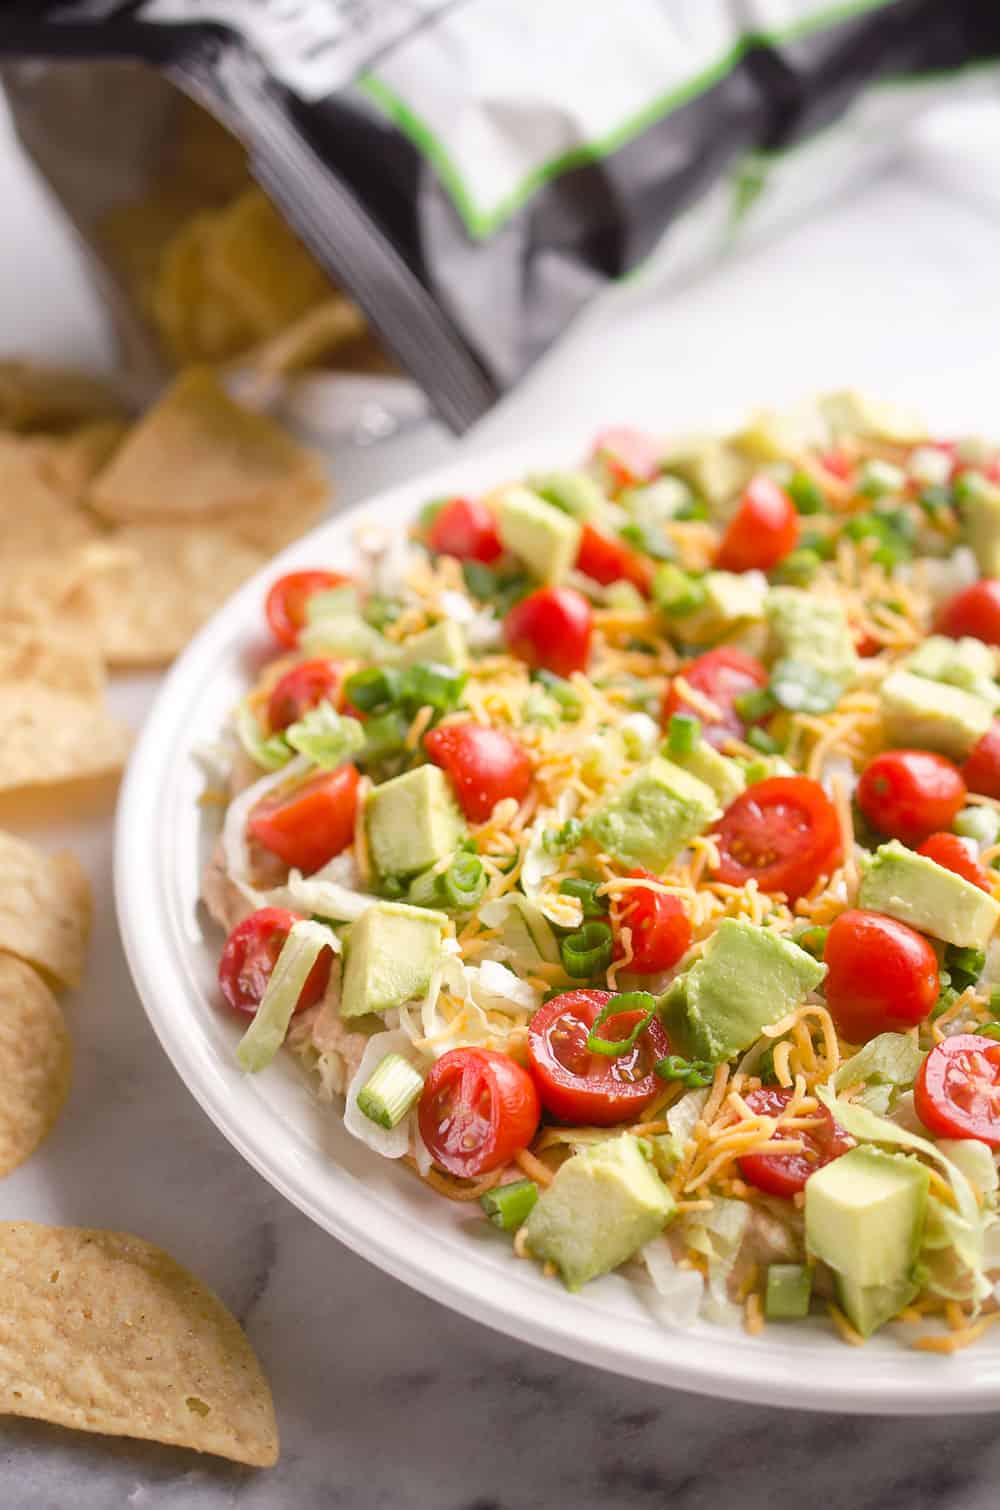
379 1209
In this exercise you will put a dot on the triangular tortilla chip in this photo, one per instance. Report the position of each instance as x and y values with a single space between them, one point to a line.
104 1332
63 656
45 909
36 1063
69 463
36 397
34 517
48 737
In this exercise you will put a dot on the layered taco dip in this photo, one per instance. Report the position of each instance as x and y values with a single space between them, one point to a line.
618 850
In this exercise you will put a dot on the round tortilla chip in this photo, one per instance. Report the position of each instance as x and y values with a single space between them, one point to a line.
104 1332
45 909
36 1062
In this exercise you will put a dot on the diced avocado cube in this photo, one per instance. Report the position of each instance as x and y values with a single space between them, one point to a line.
781 435
653 815
545 538
727 601
865 1214
656 502
576 493
443 644
981 515
412 822
604 1204
850 413
716 470
965 663
916 890
389 956
788 1292
747 978
723 774
868 1307
812 630
931 715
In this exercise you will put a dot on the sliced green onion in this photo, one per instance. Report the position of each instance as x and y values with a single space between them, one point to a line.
935 500
946 998
555 841
393 889
508 1206
425 890
683 733
756 770
560 690
822 545
801 688
805 493
964 966
760 739
393 1089
798 568
374 689
788 1293
431 684
989 1030
693 1073
629 1001
753 705
265 1035
464 881
813 940
675 592
588 951
586 893
380 611
385 734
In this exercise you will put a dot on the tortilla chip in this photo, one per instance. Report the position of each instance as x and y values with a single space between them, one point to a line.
195 322
45 909
54 654
198 456
104 1332
169 580
322 330
69 463
49 736
36 1064
41 588
34 518
255 260
36 397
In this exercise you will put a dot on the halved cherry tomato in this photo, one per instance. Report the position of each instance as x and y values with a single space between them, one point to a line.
958 855
627 457
551 628
981 770
909 794
957 1090
783 833
578 1086
837 463
609 560
249 954
484 764
763 530
722 676
975 610
882 976
302 688
467 529
660 928
785 1174
312 823
286 602
478 1108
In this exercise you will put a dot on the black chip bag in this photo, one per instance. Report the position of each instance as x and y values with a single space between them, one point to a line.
471 172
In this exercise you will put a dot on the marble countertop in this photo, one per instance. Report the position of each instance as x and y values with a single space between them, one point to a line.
385 1398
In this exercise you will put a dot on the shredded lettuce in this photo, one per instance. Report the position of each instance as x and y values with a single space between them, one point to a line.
325 736
886 1064
270 752
683 1116
525 935
300 951
718 1235
679 1292
499 990
234 830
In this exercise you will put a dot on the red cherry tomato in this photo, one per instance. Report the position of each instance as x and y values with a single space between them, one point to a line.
626 456
981 771
312 823
551 628
957 855
467 529
248 958
785 1174
592 1089
837 463
609 560
302 688
957 1090
286 602
783 833
882 977
484 764
909 794
721 675
975 610
763 530
478 1108
660 928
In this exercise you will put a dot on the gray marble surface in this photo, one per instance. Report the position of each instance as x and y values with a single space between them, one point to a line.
385 1398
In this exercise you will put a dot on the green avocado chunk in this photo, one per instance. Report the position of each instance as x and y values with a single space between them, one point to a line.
544 537
916 890
865 1214
575 493
390 954
443 644
653 814
965 663
788 1292
728 601
723 774
716 470
930 715
813 631
412 822
747 978
604 1204
981 515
